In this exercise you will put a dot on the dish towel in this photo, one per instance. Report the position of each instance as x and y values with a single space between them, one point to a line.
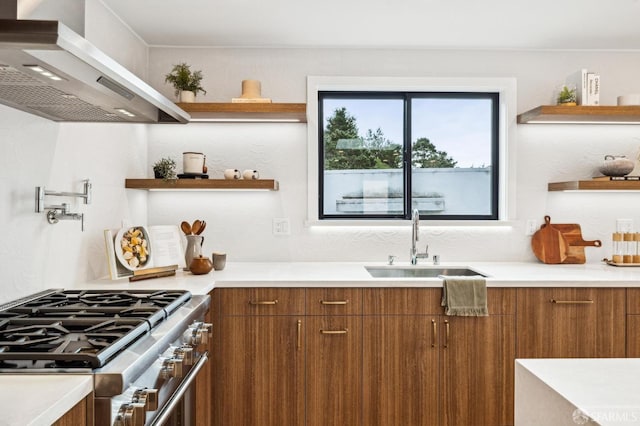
465 296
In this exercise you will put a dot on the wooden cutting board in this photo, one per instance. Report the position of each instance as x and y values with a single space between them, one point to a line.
548 244
572 234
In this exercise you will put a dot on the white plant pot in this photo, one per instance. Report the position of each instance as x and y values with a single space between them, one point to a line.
187 96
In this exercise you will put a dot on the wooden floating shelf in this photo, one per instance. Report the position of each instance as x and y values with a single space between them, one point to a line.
603 114
201 184
246 112
595 185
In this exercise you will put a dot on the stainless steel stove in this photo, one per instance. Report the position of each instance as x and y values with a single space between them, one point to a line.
143 347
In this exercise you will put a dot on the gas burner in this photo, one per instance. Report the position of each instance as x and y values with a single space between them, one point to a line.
83 328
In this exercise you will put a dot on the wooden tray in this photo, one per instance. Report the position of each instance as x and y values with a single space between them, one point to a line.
612 263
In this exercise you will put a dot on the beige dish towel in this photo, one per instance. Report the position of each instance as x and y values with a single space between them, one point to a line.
465 296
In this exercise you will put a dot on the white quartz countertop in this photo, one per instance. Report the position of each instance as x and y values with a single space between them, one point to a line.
33 400
354 274
605 389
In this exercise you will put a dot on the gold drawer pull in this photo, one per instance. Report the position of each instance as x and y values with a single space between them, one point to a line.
571 302
446 327
345 331
263 302
299 335
434 333
334 302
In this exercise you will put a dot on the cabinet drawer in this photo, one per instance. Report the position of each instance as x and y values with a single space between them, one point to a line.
426 301
402 301
334 301
633 301
262 301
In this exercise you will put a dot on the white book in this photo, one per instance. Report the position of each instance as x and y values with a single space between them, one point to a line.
165 249
579 79
593 84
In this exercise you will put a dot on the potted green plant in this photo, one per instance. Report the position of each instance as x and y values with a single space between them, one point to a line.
186 83
165 169
567 96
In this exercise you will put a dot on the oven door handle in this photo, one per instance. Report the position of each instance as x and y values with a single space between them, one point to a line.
166 411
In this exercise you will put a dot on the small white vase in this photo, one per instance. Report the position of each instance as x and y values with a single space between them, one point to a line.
187 96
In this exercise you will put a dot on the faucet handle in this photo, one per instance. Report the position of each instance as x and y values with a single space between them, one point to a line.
390 259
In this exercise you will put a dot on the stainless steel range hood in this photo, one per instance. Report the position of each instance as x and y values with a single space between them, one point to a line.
49 70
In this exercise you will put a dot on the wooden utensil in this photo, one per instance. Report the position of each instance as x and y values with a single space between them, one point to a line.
186 228
202 226
572 234
195 228
548 244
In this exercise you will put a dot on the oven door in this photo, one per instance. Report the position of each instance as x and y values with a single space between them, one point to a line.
163 395
180 409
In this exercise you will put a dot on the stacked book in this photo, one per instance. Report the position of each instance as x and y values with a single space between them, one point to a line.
587 87
609 178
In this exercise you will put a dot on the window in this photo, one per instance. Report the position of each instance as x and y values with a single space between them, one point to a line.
382 154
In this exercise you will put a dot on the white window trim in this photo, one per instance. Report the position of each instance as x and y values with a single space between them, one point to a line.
505 87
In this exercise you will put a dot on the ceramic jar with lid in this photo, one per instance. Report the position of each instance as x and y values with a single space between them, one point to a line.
200 265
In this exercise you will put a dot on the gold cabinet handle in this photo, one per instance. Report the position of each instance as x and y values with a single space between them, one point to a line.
299 337
434 333
263 302
571 302
344 331
334 302
446 334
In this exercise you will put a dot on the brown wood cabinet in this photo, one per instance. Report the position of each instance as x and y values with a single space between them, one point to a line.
288 357
260 358
571 323
424 368
633 323
80 415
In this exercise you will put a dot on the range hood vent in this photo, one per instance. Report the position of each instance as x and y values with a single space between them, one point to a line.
49 70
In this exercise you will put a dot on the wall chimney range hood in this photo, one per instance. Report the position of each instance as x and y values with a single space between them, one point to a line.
49 70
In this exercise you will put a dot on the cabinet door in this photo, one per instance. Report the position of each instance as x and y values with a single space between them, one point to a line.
571 323
400 370
478 370
261 378
334 370
80 415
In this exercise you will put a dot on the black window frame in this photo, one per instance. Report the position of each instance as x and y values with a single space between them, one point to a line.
407 97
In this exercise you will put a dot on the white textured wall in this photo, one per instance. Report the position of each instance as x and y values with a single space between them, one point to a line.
240 223
35 255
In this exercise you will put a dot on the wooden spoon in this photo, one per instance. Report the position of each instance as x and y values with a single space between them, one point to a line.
202 226
195 228
186 228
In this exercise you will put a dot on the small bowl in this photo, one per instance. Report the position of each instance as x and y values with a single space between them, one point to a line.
616 166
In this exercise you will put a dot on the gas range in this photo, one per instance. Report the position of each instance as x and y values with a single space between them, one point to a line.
140 345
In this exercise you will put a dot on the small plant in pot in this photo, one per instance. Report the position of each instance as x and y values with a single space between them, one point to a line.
567 96
165 169
186 83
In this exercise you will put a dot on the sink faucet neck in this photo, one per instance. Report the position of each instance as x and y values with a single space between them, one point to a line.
415 236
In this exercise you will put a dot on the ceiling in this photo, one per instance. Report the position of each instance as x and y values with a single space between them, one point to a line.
496 24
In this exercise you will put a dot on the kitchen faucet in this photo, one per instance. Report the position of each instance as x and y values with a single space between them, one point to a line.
415 255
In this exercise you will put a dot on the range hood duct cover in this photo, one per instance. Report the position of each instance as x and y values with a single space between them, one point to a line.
49 70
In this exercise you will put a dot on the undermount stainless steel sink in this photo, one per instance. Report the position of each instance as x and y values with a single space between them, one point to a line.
419 272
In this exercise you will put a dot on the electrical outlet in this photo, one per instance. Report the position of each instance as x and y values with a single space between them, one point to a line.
281 226
624 225
532 227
